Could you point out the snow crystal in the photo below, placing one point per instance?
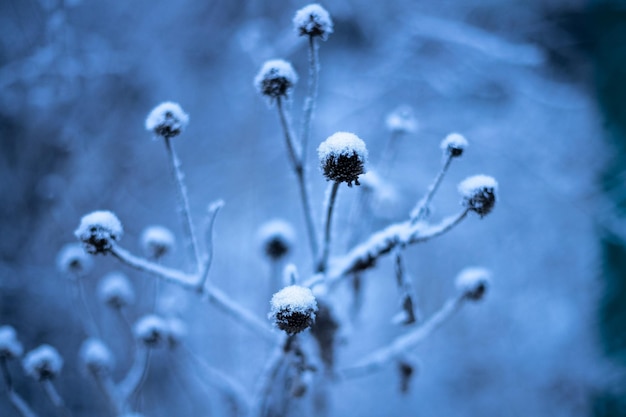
(97, 230)
(43, 362)
(276, 237)
(454, 144)
(293, 309)
(401, 120)
(116, 290)
(10, 347)
(96, 356)
(479, 193)
(313, 20)
(167, 120)
(157, 241)
(276, 78)
(473, 282)
(152, 330)
(73, 260)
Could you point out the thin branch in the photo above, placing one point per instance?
(213, 210)
(136, 375)
(88, 319)
(405, 288)
(110, 391)
(16, 400)
(310, 101)
(330, 205)
(188, 227)
(298, 167)
(420, 211)
(379, 358)
(54, 397)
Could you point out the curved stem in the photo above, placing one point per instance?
(420, 211)
(183, 203)
(309, 102)
(299, 169)
(89, 320)
(213, 210)
(134, 379)
(330, 205)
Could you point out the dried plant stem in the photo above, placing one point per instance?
(183, 204)
(295, 157)
(213, 210)
(134, 379)
(310, 100)
(420, 211)
(405, 288)
(14, 398)
(404, 343)
(110, 391)
(330, 205)
(88, 319)
(54, 397)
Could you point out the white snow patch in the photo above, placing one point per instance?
(470, 278)
(275, 69)
(293, 299)
(116, 290)
(168, 114)
(401, 120)
(313, 20)
(157, 241)
(42, 362)
(96, 356)
(342, 143)
(471, 186)
(10, 347)
(454, 141)
(151, 329)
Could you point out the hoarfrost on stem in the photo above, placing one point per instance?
(313, 20)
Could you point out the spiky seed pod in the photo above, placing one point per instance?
(454, 144)
(98, 231)
(313, 20)
(275, 79)
(42, 363)
(293, 309)
(167, 120)
(151, 330)
(73, 260)
(342, 157)
(277, 239)
(96, 356)
(479, 194)
(10, 347)
(473, 282)
(157, 241)
(116, 291)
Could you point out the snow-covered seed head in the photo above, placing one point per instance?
(176, 331)
(167, 120)
(157, 241)
(473, 282)
(342, 157)
(479, 193)
(313, 20)
(454, 144)
(151, 330)
(275, 79)
(98, 231)
(293, 309)
(96, 356)
(277, 239)
(10, 347)
(115, 290)
(73, 260)
(43, 363)
(401, 120)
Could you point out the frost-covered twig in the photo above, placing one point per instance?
(422, 208)
(407, 295)
(214, 208)
(54, 397)
(14, 398)
(110, 391)
(402, 344)
(309, 101)
(330, 205)
(136, 374)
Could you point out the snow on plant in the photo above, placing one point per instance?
(303, 321)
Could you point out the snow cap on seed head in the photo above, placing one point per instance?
(454, 144)
(473, 282)
(151, 330)
(96, 356)
(277, 239)
(10, 347)
(275, 79)
(115, 290)
(176, 331)
(43, 362)
(313, 20)
(342, 157)
(479, 193)
(73, 260)
(293, 309)
(401, 120)
(98, 231)
(157, 241)
(167, 120)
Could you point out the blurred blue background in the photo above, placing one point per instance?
(536, 87)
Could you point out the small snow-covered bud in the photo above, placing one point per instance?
(275, 79)
(401, 120)
(115, 290)
(293, 309)
(277, 238)
(43, 362)
(167, 120)
(454, 144)
(473, 282)
(157, 241)
(96, 356)
(313, 20)
(151, 330)
(479, 193)
(98, 230)
(176, 331)
(73, 260)
(342, 157)
(10, 347)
